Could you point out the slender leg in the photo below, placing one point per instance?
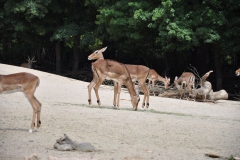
(153, 83)
(149, 83)
(90, 86)
(181, 91)
(35, 110)
(115, 93)
(38, 112)
(146, 93)
(119, 86)
(96, 87)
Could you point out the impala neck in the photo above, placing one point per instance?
(131, 88)
(101, 56)
(159, 78)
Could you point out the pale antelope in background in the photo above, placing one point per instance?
(187, 79)
(26, 83)
(29, 64)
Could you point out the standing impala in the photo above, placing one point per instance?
(154, 76)
(137, 72)
(29, 64)
(187, 79)
(112, 70)
(238, 72)
(26, 83)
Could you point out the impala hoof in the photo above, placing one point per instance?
(113, 107)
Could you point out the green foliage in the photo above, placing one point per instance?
(144, 29)
(65, 32)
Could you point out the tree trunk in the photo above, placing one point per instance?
(76, 53)
(58, 57)
(218, 71)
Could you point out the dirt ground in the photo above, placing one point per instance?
(170, 129)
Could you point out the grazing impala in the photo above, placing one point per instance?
(154, 76)
(29, 64)
(140, 73)
(26, 83)
(238, 72)
(112, 70)
(137, 72)
(187, 79)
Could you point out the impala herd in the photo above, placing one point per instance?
(121, 74)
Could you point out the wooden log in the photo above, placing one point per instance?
(219, 95)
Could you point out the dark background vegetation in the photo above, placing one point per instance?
(166, 35)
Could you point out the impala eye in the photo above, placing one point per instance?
(96, 52)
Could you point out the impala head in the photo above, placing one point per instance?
(29, 64)
(167, 82)
(97, 54)
(238, 72)
(135, 100)
(176, 83)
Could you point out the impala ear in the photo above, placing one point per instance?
(176, 78)
(104, 49)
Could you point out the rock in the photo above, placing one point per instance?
(85, 147)
(65, 147)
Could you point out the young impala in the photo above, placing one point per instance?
(187, 79)
(26, 83)
(154, 76)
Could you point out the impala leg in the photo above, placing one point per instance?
(38, 112)
(90, 86)
(96, 87)
(146, 94)
(153, 82)
(181, 91)
(118, 93)
(35, 110)
(115, 93)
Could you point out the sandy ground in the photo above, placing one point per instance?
(170, 129)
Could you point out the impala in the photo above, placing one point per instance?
(29, 64)
(187, 79)
(26, 83)
(112, 70)
(238, 72)
(154, 76)
(137, 72)
(140, 73)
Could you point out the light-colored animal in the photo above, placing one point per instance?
(187, 79)
(154, 76)
(26, 83)
(29, 64)
(206, 87)
(238, 72)
(202, 93)
(112, 70)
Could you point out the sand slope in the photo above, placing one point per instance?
(170, 129)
